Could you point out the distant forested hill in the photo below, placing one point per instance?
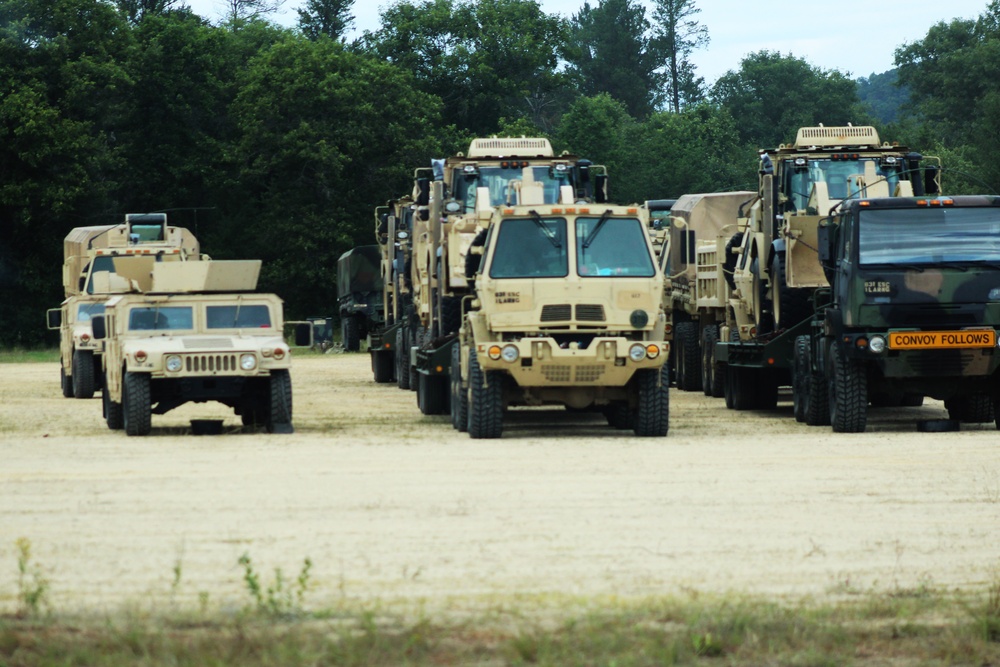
(883, 98)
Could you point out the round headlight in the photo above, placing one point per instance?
(173, 363)
(638, 319)
(509, 353)
(140, 356)
(876, 344)
(279, 353)
(637, 352)
(652, 351)
(453, 206)
(248, 362)
(494, 352)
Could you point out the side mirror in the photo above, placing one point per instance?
(302, 333)
(825, 236)
(423, 192)
(601, 189)
(53, 318)
(97, 323)
(930, 181)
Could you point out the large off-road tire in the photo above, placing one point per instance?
(711, 373)
(485, 401)
(84, 382)
(762, 313)
(451, 315)
(113, 414)
(974, 409)
(279, 418)
(848, 393)
(351, 333)
(432, 394)
(459, 407)
(136, 404)
(65, 382)
(790, 305)
(402, 359)
(740, 388)
(652, 417)
(383, 365)
(688, 359)
(809, 391)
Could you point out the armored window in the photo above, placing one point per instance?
(939, 236)
(241, 316)
(530, 248)
(99, 264)
(612, 247)
(88, 310)
(160, 318)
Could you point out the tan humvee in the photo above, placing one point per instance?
(208, 339)
(89, 276)
(567, 311)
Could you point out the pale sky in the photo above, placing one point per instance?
(856, 38)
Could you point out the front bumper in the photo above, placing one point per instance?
(542, 362)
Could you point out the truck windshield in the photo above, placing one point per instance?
(160, 318)
(614, 247)
(929, 236)
(498, 180)
(834, 173)
(238, 316)
(88, 310)
(530, 248)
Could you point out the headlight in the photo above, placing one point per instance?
(174, 363)
(248, 362)
(637, 352)
(509, 353)
(638, 319)
(652, 351)
(876, 344)
(494, 352)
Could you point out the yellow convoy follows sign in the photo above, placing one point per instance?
(928, 340)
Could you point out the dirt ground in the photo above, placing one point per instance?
(390, 505)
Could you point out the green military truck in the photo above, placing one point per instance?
(913, 310)
(359, 291)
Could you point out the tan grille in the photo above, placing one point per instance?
(589, 373)
(554, 373)
(210, 363)
(586, 312)
(559, 313)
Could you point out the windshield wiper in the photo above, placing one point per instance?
(597, 228)
(537, 219)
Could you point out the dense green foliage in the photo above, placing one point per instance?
(277, 143)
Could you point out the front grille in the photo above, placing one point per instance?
(589, 373)
(558, 313)
(210, 363)
(941, 363)
(555, 373)
(590, 312)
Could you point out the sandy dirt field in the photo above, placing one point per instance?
(390, 505)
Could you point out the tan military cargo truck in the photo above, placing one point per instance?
(566, 311)
(197, 334)
(89, 277)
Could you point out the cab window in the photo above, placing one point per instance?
(240, 316)
(160, 318)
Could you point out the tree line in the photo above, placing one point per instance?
(277, 142)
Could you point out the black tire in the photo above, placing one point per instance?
(740, 388)
(65, 382)
(351, 333)
(848, 393)
(620, 416)
(459, 407)
(764, 386)
(383, 365)
(688, 357)
(762, 312)
(485, 401)
(432, 394)
(113, 415)
(83, 374)
(974, 409)
(402, 360)
(136, 405)
(652, 417)
(801, 373)
(451, 315)
(790, 306)
(711, 379)
(414, 338)
(279, 417)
